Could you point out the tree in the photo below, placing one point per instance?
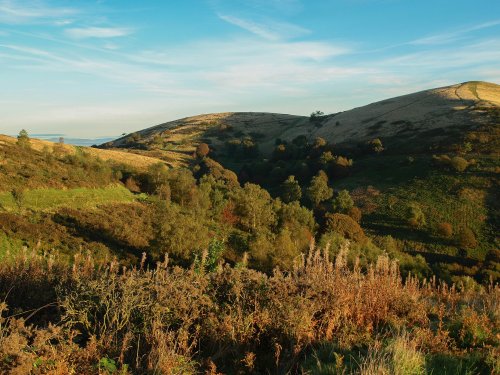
(375, 145)
(326, 158)
(445, 230)
(416, 217)
(23, 139)
(345, 226)
(254, 207)
(319, 191)
(157, 175)
(319, 143)
(467, 239)
(459, 164)
(182, 186)
(290, 190)
(316, 116)
(343, 202)
(202, 150)
(178, 232)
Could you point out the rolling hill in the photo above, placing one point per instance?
(424, 136)
(430, 116)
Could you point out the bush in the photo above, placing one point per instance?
(343, 202)
(172, 320)
(23, 140)
(416, 217)
(467, 239)
(202, 150)
(345, 226)
(445, 230)
(355, 214)
(459, 164)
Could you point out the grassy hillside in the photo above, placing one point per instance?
(46, 147)
(433, 116)
(78, 198)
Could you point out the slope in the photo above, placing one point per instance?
(431, 116)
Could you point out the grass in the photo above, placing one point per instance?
(9, 245)
(48, 199)
(461, 199)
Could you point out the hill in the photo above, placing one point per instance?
(431, 155)
(118, 156)
(432, 116)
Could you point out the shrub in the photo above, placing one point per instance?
(375, 145)
(18, 196)
(355, 214)
(172, 320)
(23, 140)
(416, 217)
(459, 164)
(345, 226)
(343, 202)
(202, 150)
(445, 230)
(467, 239)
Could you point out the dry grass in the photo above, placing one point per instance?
(134, 160)
(107, 319)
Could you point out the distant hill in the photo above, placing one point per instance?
(429, 116)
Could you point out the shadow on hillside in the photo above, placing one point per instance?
(433, 258)
(89, 234)
(383, 225)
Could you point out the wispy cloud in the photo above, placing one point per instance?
(270, 30)
(97, 32)
(15, 12)
(261, 6)
(449, 37)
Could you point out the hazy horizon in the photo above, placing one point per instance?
(94, 68)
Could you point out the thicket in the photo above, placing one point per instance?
(301, 158)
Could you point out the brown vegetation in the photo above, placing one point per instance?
(103, 319)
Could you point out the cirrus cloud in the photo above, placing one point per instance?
(97, 32)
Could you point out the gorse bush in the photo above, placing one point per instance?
(235, 320)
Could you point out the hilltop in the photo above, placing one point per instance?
(432, 116)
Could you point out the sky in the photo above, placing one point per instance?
(102, 68)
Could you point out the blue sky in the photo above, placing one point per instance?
(100, 68)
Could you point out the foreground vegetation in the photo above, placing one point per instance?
(322, 317)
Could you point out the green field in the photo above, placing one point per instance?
(48, 199)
